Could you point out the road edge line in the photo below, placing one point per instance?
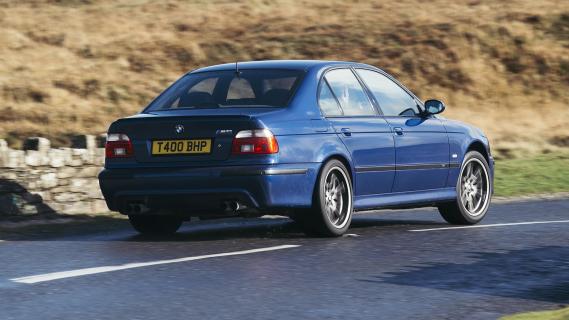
(96, 270)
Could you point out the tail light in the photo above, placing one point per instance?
(118, 146)
(260, 141)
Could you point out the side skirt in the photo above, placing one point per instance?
(413, 199)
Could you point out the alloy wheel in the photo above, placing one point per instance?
(337, 198)
(475, 187)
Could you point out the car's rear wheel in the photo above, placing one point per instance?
(331, 214)
(474, 191)
(155, 224)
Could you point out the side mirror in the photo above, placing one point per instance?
(433, 106)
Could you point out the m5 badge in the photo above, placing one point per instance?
(224, 132)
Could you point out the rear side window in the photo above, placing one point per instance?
(350, 94)
(328, 103)
(207, 85)
(219, 89)
(392, 99)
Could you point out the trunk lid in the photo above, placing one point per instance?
(219, 129)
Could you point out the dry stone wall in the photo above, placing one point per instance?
(44, 180)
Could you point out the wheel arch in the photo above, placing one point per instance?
(343, 160)
(478, 146)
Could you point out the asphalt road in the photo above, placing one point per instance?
(385, 269)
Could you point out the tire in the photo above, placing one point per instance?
(332, 209)
(473, 190)
(155, 224)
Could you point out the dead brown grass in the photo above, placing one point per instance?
(72, 66)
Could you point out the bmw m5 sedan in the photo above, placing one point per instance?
(312, 140)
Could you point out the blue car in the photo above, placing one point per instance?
(312, 140)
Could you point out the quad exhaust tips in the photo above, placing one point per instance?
(228, 207)
(232, 206)
(137, 208)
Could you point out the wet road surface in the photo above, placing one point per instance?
(392, 265)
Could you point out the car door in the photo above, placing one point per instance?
(421, 143)
(365, 134)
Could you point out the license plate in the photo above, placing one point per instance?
(191, 146)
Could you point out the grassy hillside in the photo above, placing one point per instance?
(71, 66)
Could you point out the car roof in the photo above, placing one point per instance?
(276, 64)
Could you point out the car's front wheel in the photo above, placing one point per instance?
(331, 214)
(474, 191)
(155, 224)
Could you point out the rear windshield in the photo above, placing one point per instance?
(219, 89)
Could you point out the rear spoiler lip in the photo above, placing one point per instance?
(152, 117)
(115, 126)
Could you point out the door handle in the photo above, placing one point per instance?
(398, 131)
(346, 132)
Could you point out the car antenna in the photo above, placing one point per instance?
(237, 72)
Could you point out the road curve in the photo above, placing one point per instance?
(392, 265)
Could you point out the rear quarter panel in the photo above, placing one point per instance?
(303, 134)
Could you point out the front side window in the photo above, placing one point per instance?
(219, 89)
(349, 92)
(392, 99)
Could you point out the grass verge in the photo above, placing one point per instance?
(546, 173)
(561, 314)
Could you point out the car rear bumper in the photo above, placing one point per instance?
(197, 191)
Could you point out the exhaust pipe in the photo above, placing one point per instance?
(232, 206)
(136, 208)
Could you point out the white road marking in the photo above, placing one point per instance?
(492, 225)
(88, 271)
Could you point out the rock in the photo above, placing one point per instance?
(8, 175)
(35, 158)
(37, 144)
(88, 142)
(79, 153)
(66, 172)
(88, 172)
(79, 207)
(33, 185)
(3, 152)
(86, 156)
(40, 179)
(83, 185)
(68, 197)
(59, 157)
(48, 180)
(99, 157)
(95, 193)
(76, 163)
(15, 159)
(60, 189)
(99, 206)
